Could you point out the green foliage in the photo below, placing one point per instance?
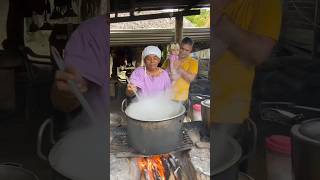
(201, 20)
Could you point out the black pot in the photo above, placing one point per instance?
(16, 172)
(306, 150)
(155, 137)
(225, 157)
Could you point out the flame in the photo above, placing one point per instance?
(152, 167)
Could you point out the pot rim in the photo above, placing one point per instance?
(160, 120)
(245, 175)
(297, 135)
(27, 171)
(233, 162)
(203, 103)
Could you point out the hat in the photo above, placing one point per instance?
(151, 50)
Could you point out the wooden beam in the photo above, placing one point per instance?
(179, 29)
(132, 7)
(154, 16)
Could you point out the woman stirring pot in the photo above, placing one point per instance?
(149, 80)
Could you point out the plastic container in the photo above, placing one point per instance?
(278, 158)
(196, 115)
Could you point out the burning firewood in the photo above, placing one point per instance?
(161, 167)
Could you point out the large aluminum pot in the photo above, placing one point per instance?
(205, 112)
(305, 150)
(155, 137)
(226, 157)
(16, 172)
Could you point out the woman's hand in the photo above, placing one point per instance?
(131, 89)
(61, 95)
(62, 78)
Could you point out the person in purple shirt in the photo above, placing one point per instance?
(82, 153)
(85, 56)
(149, 80)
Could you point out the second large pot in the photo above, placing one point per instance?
(15, 172)
(305, 150)
(205, 112)
(155, 137)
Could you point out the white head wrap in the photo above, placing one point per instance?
(151, 50)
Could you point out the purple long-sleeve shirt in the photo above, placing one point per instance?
(87, 51)
(149, 86)
(83, 152)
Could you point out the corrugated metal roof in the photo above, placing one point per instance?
(155, 36)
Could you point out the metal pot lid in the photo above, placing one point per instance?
(206, 102)
(310, 129)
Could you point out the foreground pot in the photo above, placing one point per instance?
(16, 172)
(226, 155)
(155, 137)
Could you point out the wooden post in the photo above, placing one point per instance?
(179, 28)
(211, 42)
(316, 36)
(90, 9)
(104, 7)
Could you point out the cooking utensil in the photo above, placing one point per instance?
(205, 112)
(73, 86)
(305, 150)
(155, 137)
(135, 92)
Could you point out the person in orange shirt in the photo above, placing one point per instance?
(186, 69)
(245, 32)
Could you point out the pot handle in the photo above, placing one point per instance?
(42, 128)
(124, 101)
(12, 164)
(252, 148)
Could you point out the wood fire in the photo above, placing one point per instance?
(159, 167)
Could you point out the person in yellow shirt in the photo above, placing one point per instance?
(186, 69)
(245, 32)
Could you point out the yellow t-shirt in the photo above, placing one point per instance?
(181, 87)
(231, 79)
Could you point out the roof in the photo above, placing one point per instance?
(162, 23)
(155, 36)
(143, 5)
